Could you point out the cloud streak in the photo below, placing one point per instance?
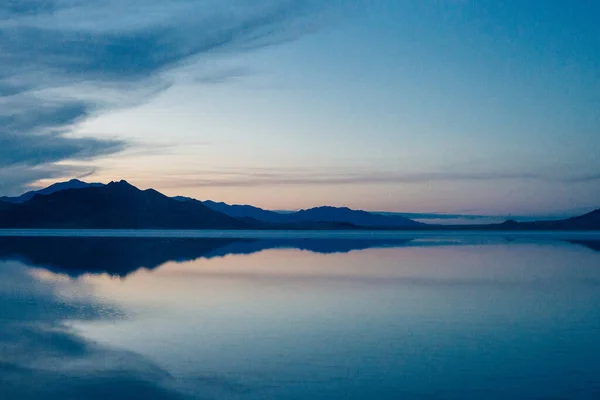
(63, 61)
(14, 178)
(259, 177)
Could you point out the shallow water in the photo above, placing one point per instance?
(446, 316)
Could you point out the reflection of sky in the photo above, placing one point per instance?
(41, 358)
(466, 320)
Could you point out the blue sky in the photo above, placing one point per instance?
(416, 106)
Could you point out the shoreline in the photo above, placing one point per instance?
(299, 234)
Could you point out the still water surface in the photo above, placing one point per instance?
(448, 317)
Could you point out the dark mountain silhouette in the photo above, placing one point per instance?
(121, 256)
(246, 211)
(318, 214)
(4, 205)
(308, 225)
(117, 205)
(183, 198)
(355, 217)
(57, 187)
(322, 215)
(589, 221)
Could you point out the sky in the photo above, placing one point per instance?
(456, 106)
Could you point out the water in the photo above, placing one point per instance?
(433, 316)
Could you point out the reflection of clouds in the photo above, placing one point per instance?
(41, 358)
(62, 365)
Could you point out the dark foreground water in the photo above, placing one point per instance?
(431, 317)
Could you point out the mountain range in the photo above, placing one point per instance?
(57, 187)
(589, 221)
(317, 214)
(117, 205)
(120, 205)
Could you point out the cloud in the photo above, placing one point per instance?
(125, 40)
(14, 179)
(63, 61)
(33, 140)
(33, 150)
(222, 75)
(258, 177)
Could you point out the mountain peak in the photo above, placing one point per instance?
(591, 214)
(117, 205)
(121, 183)
(56, 187)
(333, 208)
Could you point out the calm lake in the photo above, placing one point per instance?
(299, 316)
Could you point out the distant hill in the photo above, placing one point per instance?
(312, 215)
(355, 217)
(117, 205)
(246, 211)
(589, 221)
(57, 187)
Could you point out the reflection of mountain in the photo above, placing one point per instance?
(124, 255)
(41, 358)
(590, 244)
(121, 256)
(323, 246)
(117, 256)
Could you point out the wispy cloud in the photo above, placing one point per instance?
(17, 178)
(62, 61)
(256, 177)
(259, 177)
